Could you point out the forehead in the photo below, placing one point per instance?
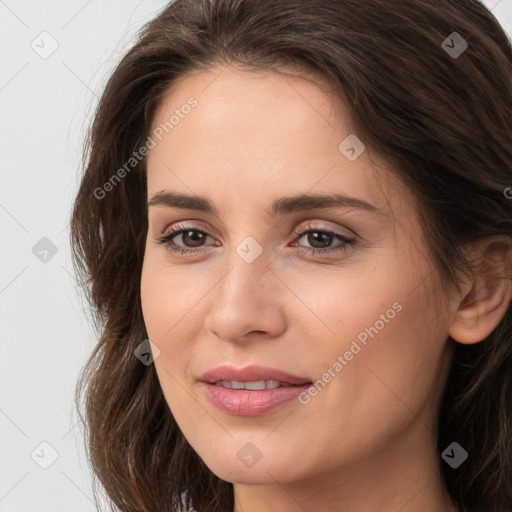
(251, 107)
(260, 131)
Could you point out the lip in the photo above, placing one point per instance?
(252, 373)
(242, 402)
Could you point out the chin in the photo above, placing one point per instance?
(252, 476)
(264, 470)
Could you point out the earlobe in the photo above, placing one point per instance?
(487, 297)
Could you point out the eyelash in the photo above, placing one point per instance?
(166, 238)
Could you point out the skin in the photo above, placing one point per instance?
(367, 441)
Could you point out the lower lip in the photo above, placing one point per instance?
(242, 402)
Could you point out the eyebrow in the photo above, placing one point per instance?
(282, 205)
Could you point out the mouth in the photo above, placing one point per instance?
(251, 376)
(255, 385)
(253, 390)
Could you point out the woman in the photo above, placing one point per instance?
(294, 228)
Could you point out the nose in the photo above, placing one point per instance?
(247, 302)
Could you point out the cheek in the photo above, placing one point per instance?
(168, 295)
(164, 314)
(348, 309)
(397, 370)
(173, 320)
(390, 341)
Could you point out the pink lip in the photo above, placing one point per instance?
(243, 402)
(252, 373)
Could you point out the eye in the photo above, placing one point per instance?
(319, 237)
(195, 238)
(188, 235)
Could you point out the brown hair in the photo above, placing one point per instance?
(444, 121)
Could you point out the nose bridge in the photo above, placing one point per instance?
(247, 271)
(242, 302)
(247, 259)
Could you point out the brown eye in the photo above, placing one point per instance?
(190, 239)
(320, 241)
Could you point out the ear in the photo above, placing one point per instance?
(486, 296)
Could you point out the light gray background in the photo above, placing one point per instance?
(45, 103)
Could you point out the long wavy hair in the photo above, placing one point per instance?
(445, 122)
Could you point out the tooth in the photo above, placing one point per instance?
(258, 385)
(255, 385)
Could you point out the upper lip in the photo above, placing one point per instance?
(252, 373)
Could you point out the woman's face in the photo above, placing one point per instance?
(359, 322)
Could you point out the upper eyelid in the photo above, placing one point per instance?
(299, 231)
(341, 229)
